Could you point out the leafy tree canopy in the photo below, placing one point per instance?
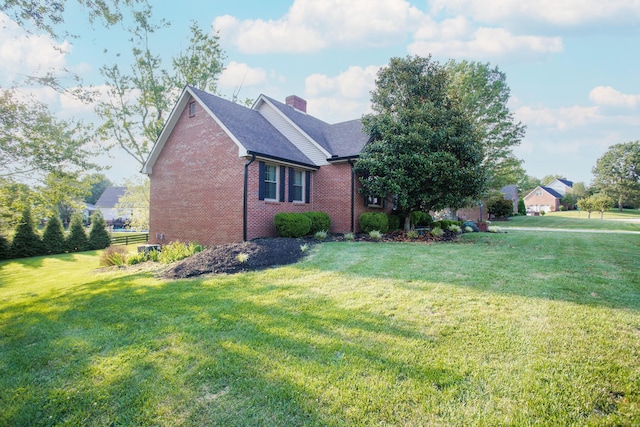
(424, 149)
(617, 173)
(135, 203)
(484, 94)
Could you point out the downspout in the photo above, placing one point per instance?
(245, 197)
(353, 207)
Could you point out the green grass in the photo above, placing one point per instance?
(499, 329)
(628, 220)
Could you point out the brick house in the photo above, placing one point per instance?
(548, 198)
(479, 212)
(219, 171)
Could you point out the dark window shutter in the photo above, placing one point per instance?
(367, 200)
(261, 172)
(307, 187)
(291, 184)
(282, 183)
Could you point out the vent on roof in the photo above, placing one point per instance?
(297, 103)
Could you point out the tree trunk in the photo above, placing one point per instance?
(407, 221)
(620, 204)
(588, 214)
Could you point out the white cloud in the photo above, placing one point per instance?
(312, 25)
(343, 97)
(24, 54)
(458, 39)
(568, 13)
(559, 118)
(608, 96)
(237, 75)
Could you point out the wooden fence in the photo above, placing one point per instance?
(129, 239)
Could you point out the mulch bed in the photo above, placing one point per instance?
(263, 253)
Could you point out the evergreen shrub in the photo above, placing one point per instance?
(77, 238)
(394, 222)
(290, 224)
(26, 241)
(419, 218)
(5, 248)
(320, 221)
(374, 221)
(99, 237)
(53, 237)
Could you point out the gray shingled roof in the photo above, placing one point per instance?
(110, 197)
(511, 191)
(343, 139)
(253, 131)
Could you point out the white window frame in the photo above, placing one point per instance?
(192, 109)
(301, 185)
(267, 166)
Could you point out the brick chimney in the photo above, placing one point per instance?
(297, 103)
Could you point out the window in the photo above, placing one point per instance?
(375, 201)
(539, 193)
(270, 182)
(192, 109)
(298, 186)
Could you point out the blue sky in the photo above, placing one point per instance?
(573, 66)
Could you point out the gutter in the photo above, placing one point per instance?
(245, 197)
(353, 182)
(282, 160)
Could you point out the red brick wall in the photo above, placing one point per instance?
(197, 184)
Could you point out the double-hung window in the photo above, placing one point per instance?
(270, 182)
(298, 186)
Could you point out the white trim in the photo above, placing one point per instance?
(263, 99)
(186, 95)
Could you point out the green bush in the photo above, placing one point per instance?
(98, 235)
(114, 255)
(437, 232)
(289, 224)
(320, 221)
(370, 221)
(53, 237)
(26, 242)
(320, 235)
(444, 224)
(500, 207)
(394, 222)
(522, 208)
(5, 248)
(175, 251)
(419, 218)
(77, 239)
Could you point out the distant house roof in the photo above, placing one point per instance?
(510, 191)
(553, 192)
(110, 197)
(566, 182)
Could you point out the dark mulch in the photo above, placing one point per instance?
(268, 252)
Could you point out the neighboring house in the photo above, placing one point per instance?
(548, 198)
(108, 201)
(219, 172)
(479, 212)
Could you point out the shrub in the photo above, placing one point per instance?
(77, 239)
(53, 237)
(242, 257)
(5, 248)
(304, 248)
(394, 222)
(114, 255)
(522, 208)
(350, 237)
(470, 224)
(138, 258)
(292, 224)
(98, 235)
(320, 235)
(319, 221)
(500, 207)
(437, 232)
(494, 229)
(26, 242)
(454, 228)
(468, 229)
(175, 251)
(412, 234)
(375, 235)
(446, 224)
(542, 213)
(370, 221)
(419, 218)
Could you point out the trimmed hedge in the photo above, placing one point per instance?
(394, 222)
(320, 221)
(421, 218)
(374, 221)
(445, 223)
(290, 224)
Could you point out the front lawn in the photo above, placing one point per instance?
(521, 328)
(627, 221)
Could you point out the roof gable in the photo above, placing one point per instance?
(110, 197)
(548, 190)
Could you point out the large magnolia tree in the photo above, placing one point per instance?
(424, 149)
